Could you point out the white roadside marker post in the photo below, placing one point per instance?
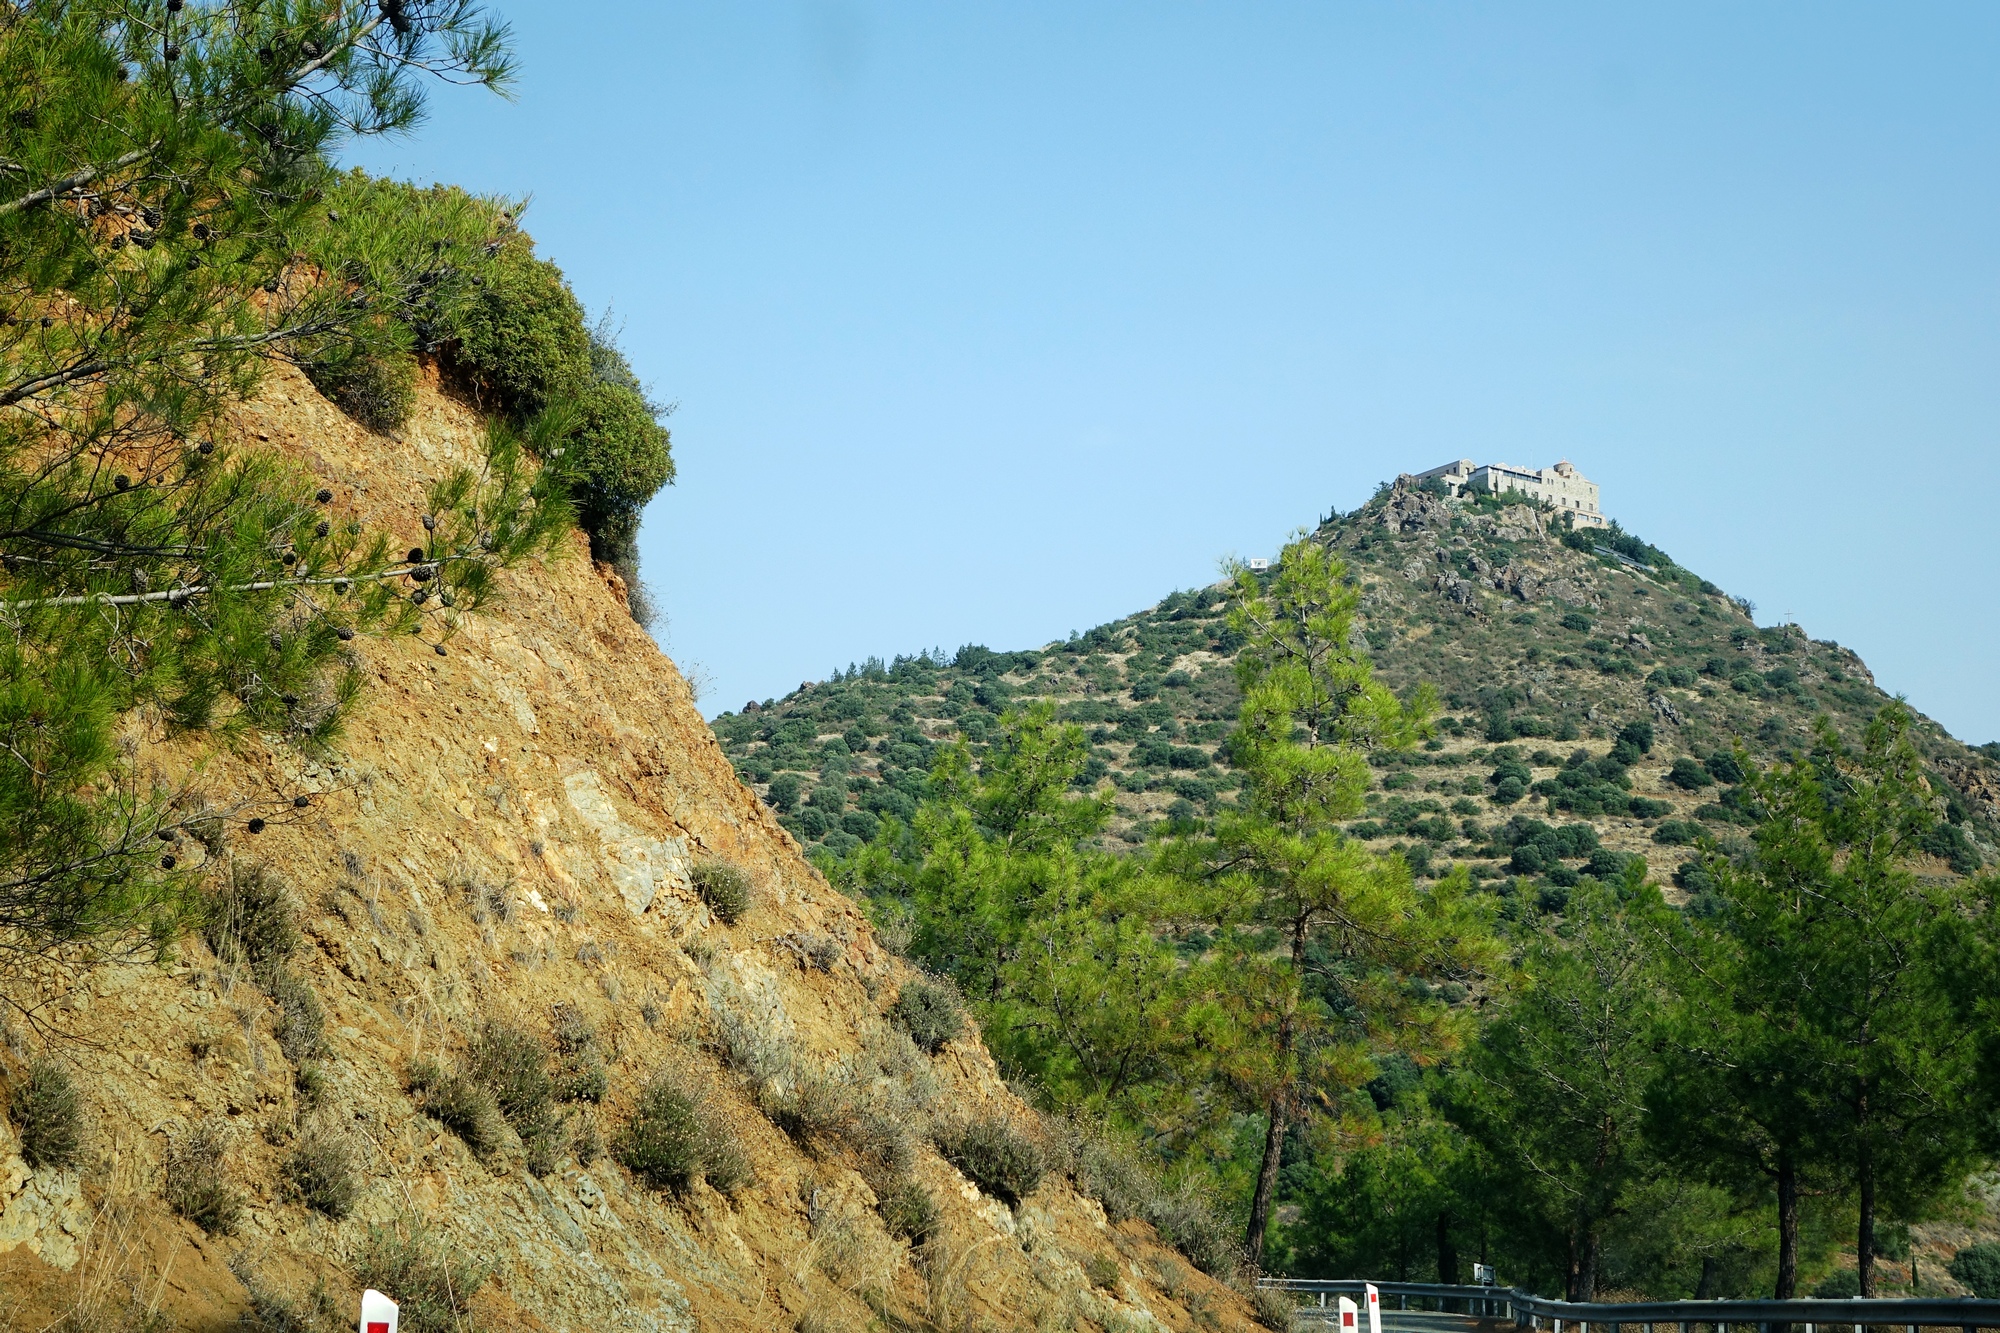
(1348, 1311)
(378, 1313)
(1374, 1308)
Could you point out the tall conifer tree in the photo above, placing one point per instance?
(1312, 711)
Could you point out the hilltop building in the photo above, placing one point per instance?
(1561, 487)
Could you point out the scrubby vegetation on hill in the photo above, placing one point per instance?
(1543, 656)
(1087, 838)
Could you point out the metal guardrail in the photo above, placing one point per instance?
(1529, 1311)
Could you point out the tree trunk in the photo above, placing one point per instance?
(1864, 1182)
(1274, 1134)
(1788, 1227)
(1865, 1241)
(1582, 1282)
(1704, 1290)
(1267, 1180)
(1447, 1252)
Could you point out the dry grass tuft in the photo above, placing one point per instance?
(48, 1115)
(195, 1183)
(320, 1171)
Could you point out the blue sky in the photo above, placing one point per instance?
(990, 322)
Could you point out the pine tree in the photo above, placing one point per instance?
(162, 241)
(1841, 969)
(1311, 713)
(1555, 1087)
(1055, 943)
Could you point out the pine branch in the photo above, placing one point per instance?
(182, 594)
(75, 180)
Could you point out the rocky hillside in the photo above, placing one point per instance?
(1543, 651)
(519, 1001)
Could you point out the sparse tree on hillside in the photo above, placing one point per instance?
(1840, 967)
(1311, 712)
(1556, 1085)
(1055, 945)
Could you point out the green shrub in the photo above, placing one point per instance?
(619, 455)
(518, 338)
(301, 1025)
(1978, 1267)
(319, 1171)
(996, 1156)
(1102, 1271)
(580, 1077)
(724, 887)
(376, 386)
(510, 331)
(196, 1186)
(311, 1084)
(1645, 807)
(48, 1115)
(1188, 1220)
(460, 1105)
(1677, 832)
(815, 1111)
(1689, 775)
(1842, 1284)
(909, 1211)
(1949, 844)
(510, 1064)
(784, 793)
(250, 918)
(430, 1278)
(1274, 1308)
(674, 1139)
(1722, 766)
(930, 1011)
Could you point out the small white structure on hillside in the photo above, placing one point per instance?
(1560, 487)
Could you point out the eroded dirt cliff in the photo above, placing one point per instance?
(506, 831)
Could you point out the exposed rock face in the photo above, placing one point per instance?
(500, 831)
(1457, 591)
(1979, 783)
(1410, 510)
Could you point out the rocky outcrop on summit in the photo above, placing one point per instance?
(1408, 509)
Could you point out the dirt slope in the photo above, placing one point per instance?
(504, 828)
